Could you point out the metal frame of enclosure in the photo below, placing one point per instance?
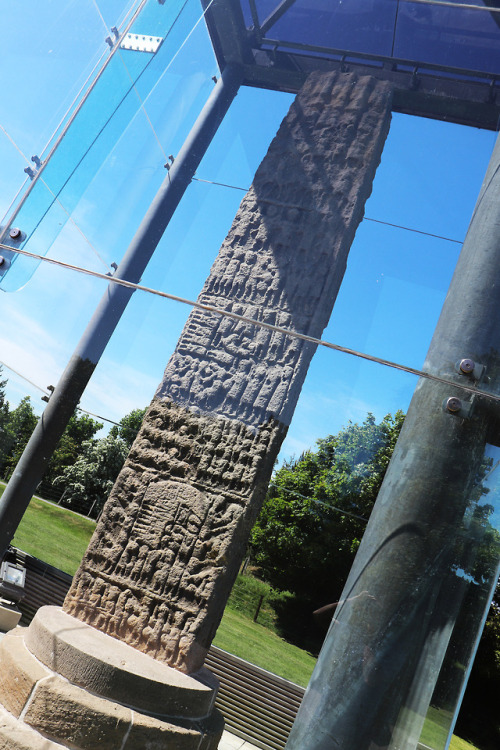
(442, 59)
(269, 46)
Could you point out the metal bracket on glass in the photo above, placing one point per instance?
(109, 40)
(141, 42)
(14, 237)
(114, 266)
(458, 408)
(33, 172)
(470, 369)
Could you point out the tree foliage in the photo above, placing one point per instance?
(79, 430)
(5, 436)
(19, 424)
(128, 427)
(316, 510)
(88, 482)
(84, 468)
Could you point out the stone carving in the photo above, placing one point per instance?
(166, 551)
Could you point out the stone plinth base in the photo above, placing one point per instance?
(9, 616)
(65, 684)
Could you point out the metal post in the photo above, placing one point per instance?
(379, 665)
(66, 395)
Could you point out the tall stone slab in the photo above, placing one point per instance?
(165, 553)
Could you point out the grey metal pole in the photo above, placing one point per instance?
(66, 395)
(376, 673)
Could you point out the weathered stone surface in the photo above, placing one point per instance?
(9, 616)
(112, 669)
(19, 673)
(166, 551)
(15, 735)
(47, 704)
(284, 258)
(147, 732)
(175, 538)
(74, 716)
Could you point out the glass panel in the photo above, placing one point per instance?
(135, 167)
(116, 12)
(393, 267)
(448, 36)
(109, 106)
(356, 26)
(472, 579)
(421, 31)
(48, 53)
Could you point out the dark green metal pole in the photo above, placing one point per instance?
(379, 665)
(63, 401)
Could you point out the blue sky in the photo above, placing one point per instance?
(396, 280)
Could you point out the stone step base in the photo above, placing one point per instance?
(9, 615)
(44, 710)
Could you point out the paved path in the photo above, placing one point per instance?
(231, 742)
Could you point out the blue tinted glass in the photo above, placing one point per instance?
(418, 31)
(356, 26)
(265, 8)
(128, 78)
(455, 37)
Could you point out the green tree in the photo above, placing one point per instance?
(79, 429)
(316, 510)
(88, 482)
(20, 424)
(5, 434)
(128, 427)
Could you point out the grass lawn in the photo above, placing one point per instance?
(255, 643)
(459, 744)
(53, 534)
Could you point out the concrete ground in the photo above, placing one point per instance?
(231, 742)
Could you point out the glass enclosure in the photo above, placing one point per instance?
(96, 127)
(454, 34)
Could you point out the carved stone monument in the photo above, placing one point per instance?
(160, 566)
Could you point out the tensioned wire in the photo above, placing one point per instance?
(456, 5)
(288, 491)
(365, 218)
(47, 393)
(258, 323)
